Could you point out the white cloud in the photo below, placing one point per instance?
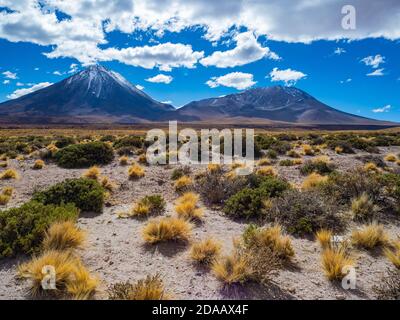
(57, 73)
(6, 81)
(20, 84)
(21, 92)
(346, 81)
(139, 87)
(237, 80)
(36, 69)
(91, 20)
(374, 61)
(73, 68)
(288, 76)
(247, 50)
(376, 73)
(339, 51)
(383, 109)
(160, 78)
(10, 75)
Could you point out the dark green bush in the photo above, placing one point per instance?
(22, 229)
(85, 194)
(345, 145)
(321, 167)
(84, 155)
(272, 154)
(129, 141)
(304, 213)
(63, 142)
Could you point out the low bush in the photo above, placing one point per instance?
(64, 142)
(84, 155)
(150, 288)
(166, 229)
(318, 166)
(22, 229)
(206, 251)
(85, 194)
(129, 142)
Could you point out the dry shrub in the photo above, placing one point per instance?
(271, 237)
(264, 162)
(363, 208)
(313, 180)
(39, 164)
(183, 184)
(186, 206)
(151, 288)
(205, 251)
(334, 261)
(123, 161)
(72, 278)
(166, 229)
(393, 253)
(9, 174)
(135, 172)
(62, 236)
(390, 157)
(267, 171)
(324, 237)
(92, 173)
(370, 236)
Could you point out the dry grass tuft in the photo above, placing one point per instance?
(183, 184)
(205, 251)
(107, 183)
(39, 164)
(143, 159)
(390, 157)
(232, 269)
(4, 199)
(393, 253)
(92, 173)
(166, 229)
(371, 167)
(307, 150)
(324, 237)
(3, 164)
(370, 236)
(362, 207)
(72, 278)
(135, 172)
(338, 150)
(335, 261)
(214, 168)
(9, 174)
(151, 288)
(186, 206)
(267, 171)
(123, 161)
(62, 236)
(313, 181)
(264, 162)
(8, 191)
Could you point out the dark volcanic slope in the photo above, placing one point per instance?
(95, 93)
(278, 103)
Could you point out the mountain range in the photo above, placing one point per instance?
(99, 95)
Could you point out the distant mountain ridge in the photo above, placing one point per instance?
(98, 95)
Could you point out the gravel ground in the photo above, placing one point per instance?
(116, 252)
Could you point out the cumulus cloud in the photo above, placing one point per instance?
(21, 92)
(237, 80)
(374, 61)
(10, 75)
(376, 73)
(288, 76)
(383, 109)
(160, 78)
(247, 50)
(88, 22)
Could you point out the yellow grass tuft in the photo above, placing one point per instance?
(39, 164)
(8, 191)
(140, 209)
(142, 159)
(237, 165)
(362, 207)
(393, 253)
(307, 150)
(62, 236)
(266, 171)
(9, 174)
(123, 161)
(135, 172)
(205, 251)
(313, 180)
(186, 206)
(371, 167)
(334, 262)
(4, 199)
(370, 236)
(92, 173)
(214, 168)
(71, 277)
(390, 157)
(107, 183)
(183, 184)
(263, 162)
(166, 229)
(231, 269)
(338, 150)
(297, 162)
(398, 162)
(324, 237)
(3, 164)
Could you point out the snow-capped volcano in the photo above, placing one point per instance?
(90, 95)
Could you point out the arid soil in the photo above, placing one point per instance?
(115, 250)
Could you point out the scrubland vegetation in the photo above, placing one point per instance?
(315, 205)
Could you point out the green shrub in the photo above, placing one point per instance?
(272, 154)
(86, 194)
(304, 213)
(156, 203)
(84, 155)
(344, 145)
(321, 167)
(180, 172)
(129, 141)
(22, 229)
(286, 163)
(63, 142)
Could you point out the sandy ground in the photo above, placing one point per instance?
(116, 252)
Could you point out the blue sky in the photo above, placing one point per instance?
(203, 59)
